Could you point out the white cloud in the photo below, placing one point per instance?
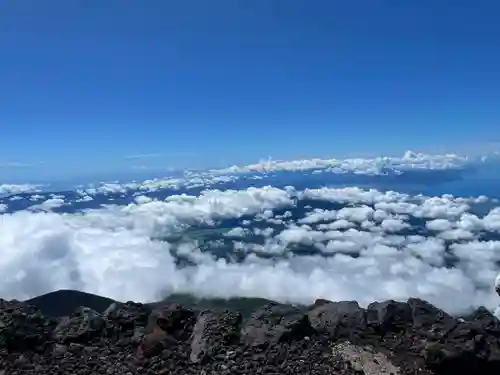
(111, 251)
(393, 225)
(374, 166)
(48, 204)
(337, 224)
(456, 234)
(356, 214)
(8, 189)
(318, 215)
(439, 225)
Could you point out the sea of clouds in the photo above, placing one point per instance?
(369, 243)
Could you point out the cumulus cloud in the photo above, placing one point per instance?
(8, 189)
(48, 204)
(360, 251)
(373, 166)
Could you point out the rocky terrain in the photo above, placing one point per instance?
(412, 337)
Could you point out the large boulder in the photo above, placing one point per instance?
(213, 334)
(471, 346)
(275, 323)
(166, 325)
(344, 319)
(127, 316)
(126, 322)
(174, 319)
(486, 320)
(84, 326)
(389, 316)
(429, 320)
(23, 327)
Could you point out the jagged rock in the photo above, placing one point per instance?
(486, 320)
(402, 338)
(389, 316)
(127, 316)
(174, 319)
(444, 358)
(166, 324)
(471, 345)
(428, 317)
(23, 327)
(84, 325)
(338, 319)
(214, 332)
(275, 323)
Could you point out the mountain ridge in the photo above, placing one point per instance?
(389, 337)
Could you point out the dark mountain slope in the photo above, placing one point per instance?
(64, 302)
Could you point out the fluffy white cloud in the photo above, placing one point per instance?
(393, 225)
(48, 204)
(439, 225)
(357, 251)
(318, 215)
(8, 189)
(374, 166)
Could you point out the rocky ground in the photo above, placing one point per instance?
(326, 338)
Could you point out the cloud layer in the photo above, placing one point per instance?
(285, 243)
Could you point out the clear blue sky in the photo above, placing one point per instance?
(84, 85)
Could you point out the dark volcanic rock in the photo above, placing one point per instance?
(275, 323)
(214, 333)
(173, 319)
(470, 346)
(338, 319)
(23, 327)
(127, 316)
(166, 325)
(398, 338)
(389, 316)
(428, 316)
(83, 326)
(485, 319)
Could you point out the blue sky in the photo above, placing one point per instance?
(90, 86)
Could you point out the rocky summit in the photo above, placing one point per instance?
(389, 337)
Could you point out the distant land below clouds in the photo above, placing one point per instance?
(481, 165)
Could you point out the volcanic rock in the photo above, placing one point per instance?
(389, 337)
